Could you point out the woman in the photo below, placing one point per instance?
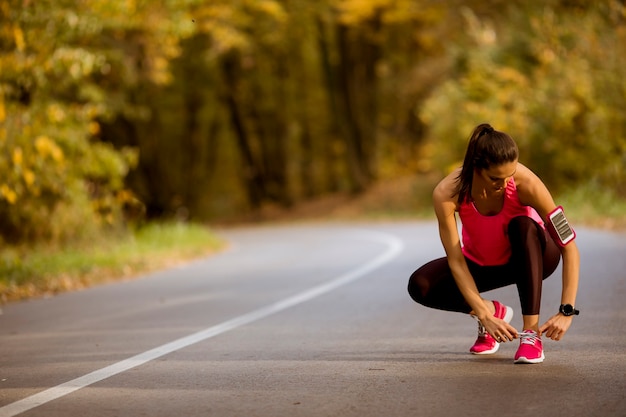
(504, 210)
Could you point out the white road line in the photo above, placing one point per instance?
(394, 247)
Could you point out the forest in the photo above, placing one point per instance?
(114, 113)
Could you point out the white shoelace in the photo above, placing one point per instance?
(481, 329)
(528, 338)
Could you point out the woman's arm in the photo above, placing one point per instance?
(445, 207)
(533, 192)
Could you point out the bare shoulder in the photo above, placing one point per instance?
(444, 194)
(523, 174)
(526, 180)
(532, 191)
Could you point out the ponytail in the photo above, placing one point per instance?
(486, 147)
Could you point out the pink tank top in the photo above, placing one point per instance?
(485, 238)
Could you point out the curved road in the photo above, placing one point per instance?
(308, 320)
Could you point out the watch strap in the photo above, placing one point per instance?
(568, 310)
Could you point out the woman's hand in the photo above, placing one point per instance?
(499, 329)
(556, 327)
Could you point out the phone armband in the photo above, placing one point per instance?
(559, 227)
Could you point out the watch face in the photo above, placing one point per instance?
(567, 309)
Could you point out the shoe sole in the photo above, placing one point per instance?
(523, 359)
(508, 316)
(488, 352)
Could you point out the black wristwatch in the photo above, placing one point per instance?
(568, 310)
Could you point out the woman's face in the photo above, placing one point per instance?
(497, 177)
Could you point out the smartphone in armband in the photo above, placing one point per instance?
(559, 227)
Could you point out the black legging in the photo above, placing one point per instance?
(534, 257)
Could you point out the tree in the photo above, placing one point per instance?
(550, 78)
(64, 69)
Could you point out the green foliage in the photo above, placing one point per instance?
(554, 81)
(63, 68)
(267, 104)
(207, 109)
(56, 183)
(591, 204)
(44, 270)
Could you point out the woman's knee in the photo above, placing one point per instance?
(522, 224)
(432, 284)
(524, 229)
(527, 236)
(418, 287)
(425, 279)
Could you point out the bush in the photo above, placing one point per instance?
(556, 87)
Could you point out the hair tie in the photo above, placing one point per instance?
(486, 129)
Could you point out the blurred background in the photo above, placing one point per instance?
(118, 113)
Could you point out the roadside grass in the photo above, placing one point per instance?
(591, 206)
(42, 271)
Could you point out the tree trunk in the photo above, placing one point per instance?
(251, 170)
(359, 53)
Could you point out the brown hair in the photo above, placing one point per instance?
(487, 147)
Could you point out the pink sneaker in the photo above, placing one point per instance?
(530, 348)
(485, 344)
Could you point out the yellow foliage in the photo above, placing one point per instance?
(94, 128)
(453, 166)
(18, 36)
(160, 74)
(29, 177)
(131, 6)
(46, 147)
(18, 156)
(8, 194)
(227, 38)
(56, 113)
(218, 12)
(353, 12)
(3, 113)
(125, 196)
(273, 9)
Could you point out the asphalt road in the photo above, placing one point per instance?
(308, 320)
